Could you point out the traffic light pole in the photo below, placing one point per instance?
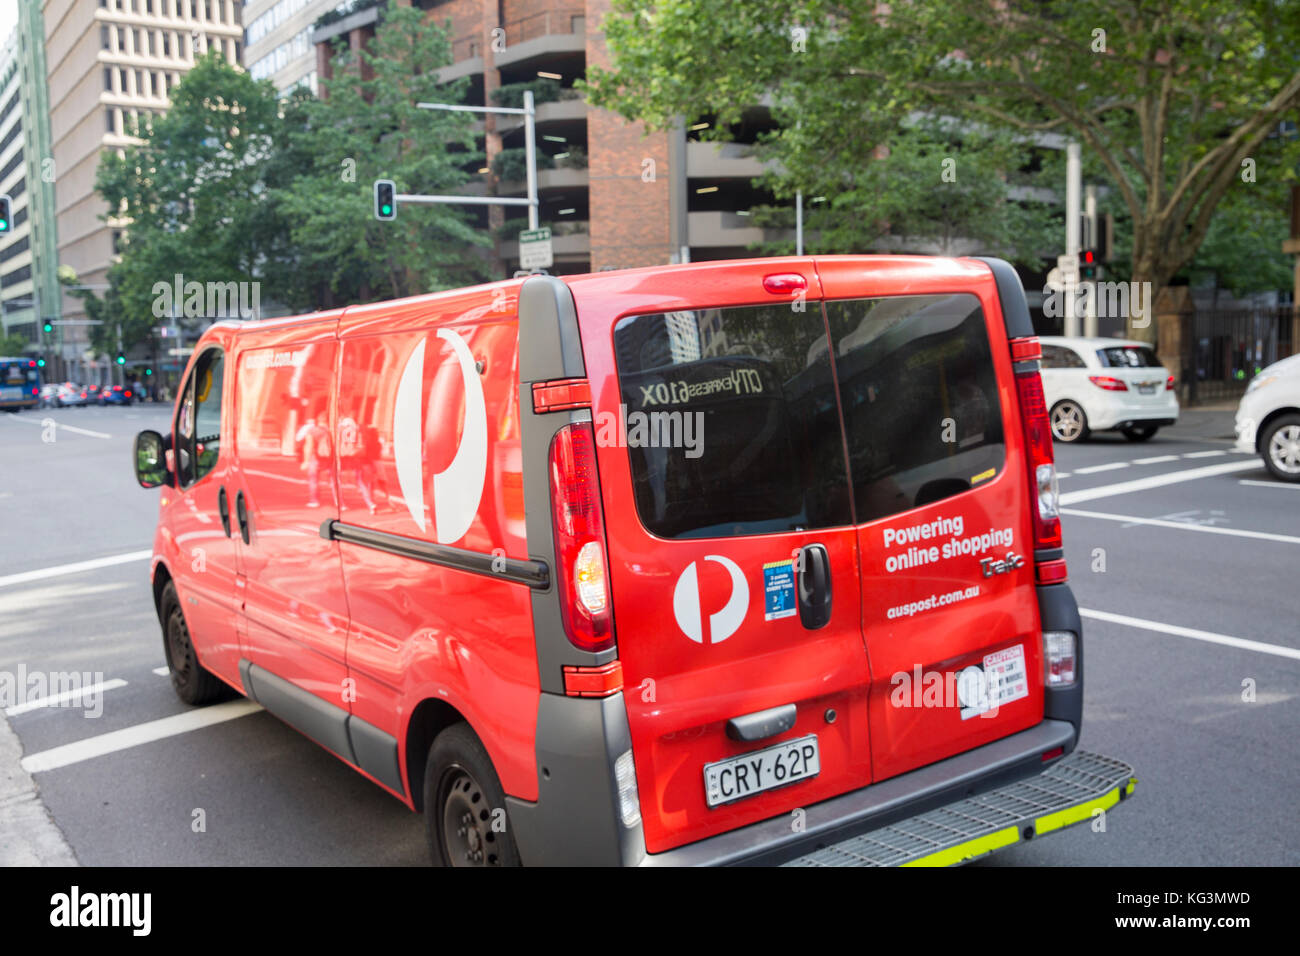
(529, 114)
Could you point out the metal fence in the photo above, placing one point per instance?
(1229, 348)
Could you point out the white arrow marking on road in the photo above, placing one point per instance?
(1183, 526)
(135, 736)
(1155, 481)
(67, 428)
(42, 573)
(68, 695)
(1225, 639)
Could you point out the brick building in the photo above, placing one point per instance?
(617, 197)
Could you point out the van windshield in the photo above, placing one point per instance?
(731, 421)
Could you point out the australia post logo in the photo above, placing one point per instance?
(686, 603)
(458, 488)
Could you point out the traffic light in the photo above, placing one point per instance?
(385, 200)
(40, 362)
(6, 221)
(49, 326)
(1088, 264)
(121, 359)
(148, 371)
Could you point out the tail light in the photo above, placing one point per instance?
(128, 393)
(1058, 658)
(1169, 384)
(1038, 451)
(1108, 383)
(580, 548)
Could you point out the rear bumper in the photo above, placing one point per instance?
(851, 815)
(1118, 413)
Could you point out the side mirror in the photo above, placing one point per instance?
(150, 465)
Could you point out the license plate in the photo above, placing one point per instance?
(1147, 389)
(738, 777)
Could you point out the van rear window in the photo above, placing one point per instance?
(731, 421)
(919, 391)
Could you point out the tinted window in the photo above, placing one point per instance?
(198, 424)
(752, 388)
(1056, 356)
(920, 399)
(1128, 356)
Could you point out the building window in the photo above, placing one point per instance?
(110, 126)
(103, 37)
(167, 43)
(108, 79)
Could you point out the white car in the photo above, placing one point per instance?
(1095, 384)
(1268, 418)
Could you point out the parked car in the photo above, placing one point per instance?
(116, 395)
(1268, 418)
(61, 394)
(1098, 384)
(628, 568)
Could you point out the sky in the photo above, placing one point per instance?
(8, 17)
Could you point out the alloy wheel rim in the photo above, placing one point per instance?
(1065, 422)
(1284, 449)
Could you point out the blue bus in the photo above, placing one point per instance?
(20, 383)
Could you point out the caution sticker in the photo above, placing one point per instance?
(1002, 679)
(778, 590)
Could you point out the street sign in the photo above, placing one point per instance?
(535, 251)
(1069, 268)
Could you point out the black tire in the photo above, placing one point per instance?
(1280, 448)
(192, 683)
(1069, 422)
(1140, 432)
(462, 795)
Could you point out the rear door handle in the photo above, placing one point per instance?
(814, 586)
(762, 724)
(223, 508)
(241, 514)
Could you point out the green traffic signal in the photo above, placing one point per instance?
(385, 200)
(40, 363)
(49, 327)
(148, 371)
(6, 205)
(121, 359)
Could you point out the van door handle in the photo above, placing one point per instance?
(241, 514)
(814, 586)
(223, 508)
(762, 724)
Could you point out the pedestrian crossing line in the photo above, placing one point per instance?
(1270, 484)
(67, 696)
(1155, 481)
(41, 574)
(1183, 526)
(1204, 454)
(119, 740)
(1155, 461)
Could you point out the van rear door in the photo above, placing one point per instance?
(733, 557)
(941, 494)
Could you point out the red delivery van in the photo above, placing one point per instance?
(735, 562)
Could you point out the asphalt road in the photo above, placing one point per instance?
(1217, 774)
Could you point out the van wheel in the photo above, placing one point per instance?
(464, 806)
(1069, 423)
(1139, 432)
(192, 683)
(1281, 448)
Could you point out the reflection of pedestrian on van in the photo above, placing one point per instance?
(355, 449)
(314, 453)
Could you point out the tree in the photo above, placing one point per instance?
(369, 127)
(1174, 98)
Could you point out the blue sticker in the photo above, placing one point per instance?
(778, 590)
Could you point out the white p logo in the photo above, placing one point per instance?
(686, 603)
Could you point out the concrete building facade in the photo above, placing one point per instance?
(277, 40)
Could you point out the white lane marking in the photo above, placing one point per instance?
(71, 428)
(1244, 481)
(161, 671)
(117, 740)
(1059, 475)
(1213, 638)
(1155, 460)
(1155, 481)
(41, 574)
(68, 695)
(1092, 469)
(1204, 454)
(1183, 526)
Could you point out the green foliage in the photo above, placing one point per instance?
(235, 185)
(356, 6)
(13, 344)
(1168, 96)
(511, 165)
(511, 95)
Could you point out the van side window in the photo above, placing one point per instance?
(1056, 356)
(920, 399)
(731, 423)
(198, 424)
